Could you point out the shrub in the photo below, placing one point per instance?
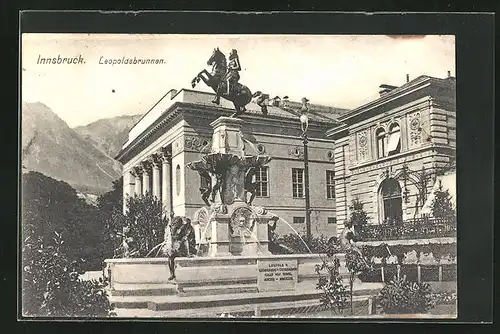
(373, 275)
(51, 284)
(335, 293)
(293, 243)
(54, 206)
(447, 297)
(442, 205)
(401, 296)
(359, 217)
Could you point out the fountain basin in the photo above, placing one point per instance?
(222, 275)
(206, 274)
(137, 271)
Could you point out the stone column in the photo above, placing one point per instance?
(156, 162)
(146, 169)
(128, 188)
(166, 173)
(137, 172)
(125, 192)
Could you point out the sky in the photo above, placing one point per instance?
(336, 70)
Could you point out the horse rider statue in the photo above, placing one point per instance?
(224, 80)
(231, 78)
(233, 73)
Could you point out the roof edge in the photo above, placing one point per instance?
(387, 97)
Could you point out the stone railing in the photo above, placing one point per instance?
(418, 228)
(438, 272)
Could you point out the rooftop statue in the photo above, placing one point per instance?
(224, 80)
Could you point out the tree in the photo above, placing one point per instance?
(51, 284)
(143, 218)
(359, 217)
(112, 200)
(145, 223)
(50, 206)
(110, 207)
(442, 205)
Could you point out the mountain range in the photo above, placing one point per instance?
(82, 156)
(108, 134)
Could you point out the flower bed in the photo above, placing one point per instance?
(445, 297)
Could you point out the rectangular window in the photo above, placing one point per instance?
(262, 180)
(330, 184)
(299, 220)
(332, 220)
(298, 182)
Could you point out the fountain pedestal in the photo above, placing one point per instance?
(228, 156)
(235, 227)
(227, 136)
(241, 231)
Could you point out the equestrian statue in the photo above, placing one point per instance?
(224, 80)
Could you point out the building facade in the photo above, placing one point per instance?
(177, 131)
(373, 153)
(389, 152)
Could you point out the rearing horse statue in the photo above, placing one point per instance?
(240, 95)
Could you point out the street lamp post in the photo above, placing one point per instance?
(305, 122)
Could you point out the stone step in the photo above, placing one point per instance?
(131, 302)
(299, 309)
(217, 290)
(304, 291)
(143, 289)
(191, 302)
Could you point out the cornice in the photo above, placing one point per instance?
(336, 130)
(162, 123)
(208, 113)
(396, 157)
(391, 96)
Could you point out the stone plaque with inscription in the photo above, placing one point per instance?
(277, 274)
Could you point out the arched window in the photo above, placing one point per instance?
(394, 144)
(390, 201)
(380, 134)
(178, 180)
